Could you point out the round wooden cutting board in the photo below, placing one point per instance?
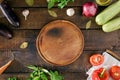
(60, 42)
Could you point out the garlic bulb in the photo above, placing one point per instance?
(25, 13)
(70, 12)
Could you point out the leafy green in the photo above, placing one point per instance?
(29, 2)
(40, 73)
(60, 3)
(52, 13)
(55, 76)
(14, 78)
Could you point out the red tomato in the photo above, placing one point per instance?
(96, 59)
(96, 75)
(115, 72)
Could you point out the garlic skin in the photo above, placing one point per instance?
(70, 11)
(48, 0)
(25, 13)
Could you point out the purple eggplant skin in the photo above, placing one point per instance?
(9, 14)
(5, 31)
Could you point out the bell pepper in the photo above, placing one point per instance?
(100, 74)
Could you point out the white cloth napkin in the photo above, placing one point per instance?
(108, 62)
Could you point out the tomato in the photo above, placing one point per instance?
(96, 59)
(115, 72)
(100, 74)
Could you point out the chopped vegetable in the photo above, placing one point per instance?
(52, 13)
(29, 2)
(100, 74)
(61, 3)
(70, 11)
(89, 9)
(115, 72)
(25, 13)
(88, 24)
(96, 59)
(4, 67)
(103, 2)
(24, 45)
(107, 14)
(112, 25)
(39, 73)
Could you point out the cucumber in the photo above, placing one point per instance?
(112, 25)
(108, 13)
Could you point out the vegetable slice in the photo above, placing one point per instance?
(96, 59)
(103, 2)
(3, 68)
(115, 72)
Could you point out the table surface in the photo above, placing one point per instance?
(96, 41)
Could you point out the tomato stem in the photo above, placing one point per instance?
(102, 73)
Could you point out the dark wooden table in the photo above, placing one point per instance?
(96, 41)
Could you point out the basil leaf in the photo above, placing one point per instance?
(50, 4)
(88, 24)
(33, 67)
(29, 2)
(43, 76)
(55, 76)
(52, 13)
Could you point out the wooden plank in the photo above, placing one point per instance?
(24, 58)
(94, 40)
(39, 17)
(67, 76)
(43, 3)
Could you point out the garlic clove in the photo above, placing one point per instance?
(25, 13)
(70, 11)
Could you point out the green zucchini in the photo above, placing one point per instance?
(108, 13)
(112, 25)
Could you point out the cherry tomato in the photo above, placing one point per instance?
(100, 74)
(96, 59)
(115, 72)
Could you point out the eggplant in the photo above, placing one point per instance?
(5, 31)
(9, 13)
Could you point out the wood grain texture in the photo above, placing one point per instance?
(24, 58)
(100, 41)
(38, 17)
(96, 41)
(43, 3)
(67, 76)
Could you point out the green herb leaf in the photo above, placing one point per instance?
(43, 76)
(88, 24)
(14, 78)
(55, 76)
(39, 73)
(52, 13)
(29, 2)
(36, 78)
(33, 67)
(61, 3)
(50, 4)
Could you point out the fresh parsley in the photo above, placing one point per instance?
(60, 3)
(13, 78)
(40, 73)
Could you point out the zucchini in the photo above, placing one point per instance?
(112, 25)
(108, 13)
